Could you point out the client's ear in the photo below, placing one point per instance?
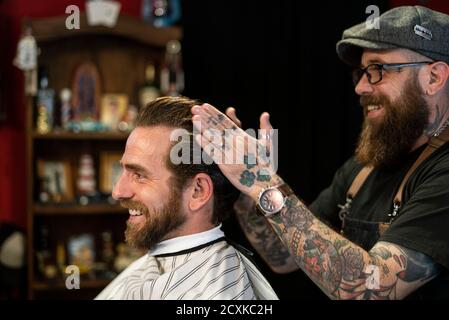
(201, 191)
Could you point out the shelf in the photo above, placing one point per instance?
(63, 135)
(60, 284)
(61, 210)
(53, 28)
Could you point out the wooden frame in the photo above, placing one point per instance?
(57, 176)
(110, 170)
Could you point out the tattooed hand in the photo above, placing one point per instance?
(247, 162)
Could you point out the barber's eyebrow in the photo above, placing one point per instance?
(371, 61)
(134, 167)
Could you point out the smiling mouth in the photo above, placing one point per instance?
(373, 108)
(135, 213)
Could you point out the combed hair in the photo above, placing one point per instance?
(174, 112)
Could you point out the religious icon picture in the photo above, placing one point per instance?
(86, 92)
(110, 170)
(56, 178)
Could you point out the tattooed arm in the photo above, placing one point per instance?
(342, 269)
(262, 237)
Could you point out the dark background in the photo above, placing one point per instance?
(280, 58)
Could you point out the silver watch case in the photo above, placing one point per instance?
(271, 201)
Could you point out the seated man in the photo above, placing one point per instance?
(175, 213)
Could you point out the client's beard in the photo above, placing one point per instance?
(158, 223)
(385, 141)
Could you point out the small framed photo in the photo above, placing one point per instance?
(110, 170)
(56, 177)
(113, 109)
(81, 252)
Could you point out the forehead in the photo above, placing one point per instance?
(147, 145)
(385, 56)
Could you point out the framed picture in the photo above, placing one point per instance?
(86, 92)
(81, 252)
(113, 109)
(110, 170)
(56, 177)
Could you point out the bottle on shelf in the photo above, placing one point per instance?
(45, 104)
(161, 13)
(45, 263)
(148, 91)
(66, 108)
(172, 73)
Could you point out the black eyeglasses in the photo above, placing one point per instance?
(374, 71)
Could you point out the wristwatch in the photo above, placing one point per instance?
(272, 200)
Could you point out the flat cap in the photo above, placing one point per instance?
(411, 27)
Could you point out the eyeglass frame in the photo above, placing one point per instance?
(384, 66)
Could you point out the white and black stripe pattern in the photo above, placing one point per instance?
(214, 272)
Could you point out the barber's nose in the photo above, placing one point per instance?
(363, 87)
(122, 189)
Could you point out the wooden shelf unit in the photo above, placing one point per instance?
(120, 54)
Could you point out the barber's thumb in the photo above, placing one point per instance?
(265, 121)
(230, 112)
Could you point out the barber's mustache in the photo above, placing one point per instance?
(134, 205)
(373, 100)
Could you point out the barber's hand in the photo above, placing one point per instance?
(244, 203)
(243, 159)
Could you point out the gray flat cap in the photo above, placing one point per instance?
(411, 27)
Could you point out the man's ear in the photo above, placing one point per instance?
(201, 191)
(439, 72)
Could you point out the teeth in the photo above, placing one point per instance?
(135, 212)
(372, 108)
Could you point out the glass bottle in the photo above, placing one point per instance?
(45, 103)
(148, 91)
(172, 73)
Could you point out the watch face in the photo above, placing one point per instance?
(271, 200)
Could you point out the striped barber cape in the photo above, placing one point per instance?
(201, 266)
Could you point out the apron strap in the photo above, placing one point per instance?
(434, 143)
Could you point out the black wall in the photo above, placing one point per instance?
(280, 57)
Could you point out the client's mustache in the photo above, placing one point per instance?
(134, 205)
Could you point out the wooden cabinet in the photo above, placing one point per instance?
(120, 55)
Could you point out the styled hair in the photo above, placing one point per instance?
(174, 112)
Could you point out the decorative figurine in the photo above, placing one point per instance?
(26, 60)
(86, 176)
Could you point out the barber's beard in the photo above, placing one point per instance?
(158, 224)
(384, 141)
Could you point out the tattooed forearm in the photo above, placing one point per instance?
(262, 237)
(342, 269)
